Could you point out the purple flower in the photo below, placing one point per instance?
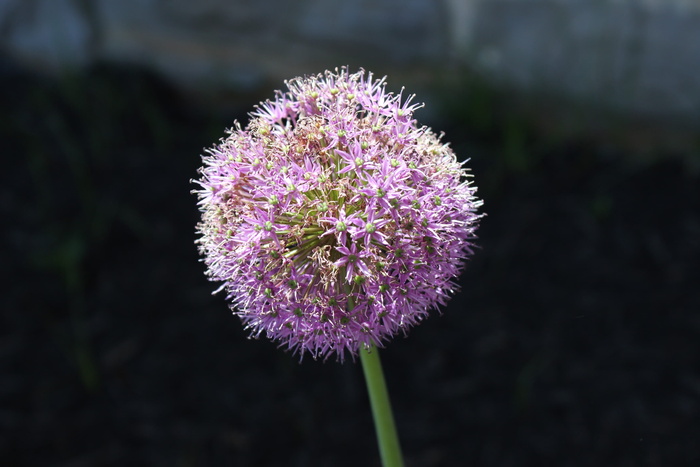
(333, 220)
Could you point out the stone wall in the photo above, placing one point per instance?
(640, 57)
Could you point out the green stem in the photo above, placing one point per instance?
(388, 440)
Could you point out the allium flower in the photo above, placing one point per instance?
(333, 220)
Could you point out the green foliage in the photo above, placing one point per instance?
(76, 139)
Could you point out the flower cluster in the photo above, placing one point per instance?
(333, 219)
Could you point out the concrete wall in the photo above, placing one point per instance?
(640, 57)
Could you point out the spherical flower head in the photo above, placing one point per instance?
(333, 220)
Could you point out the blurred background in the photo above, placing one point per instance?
(574, 339)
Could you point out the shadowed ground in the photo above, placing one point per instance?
(574, 340)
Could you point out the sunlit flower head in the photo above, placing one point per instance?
(333, 220)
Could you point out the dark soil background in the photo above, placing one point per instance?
(574, 341)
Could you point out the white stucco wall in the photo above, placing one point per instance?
(640, 56)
